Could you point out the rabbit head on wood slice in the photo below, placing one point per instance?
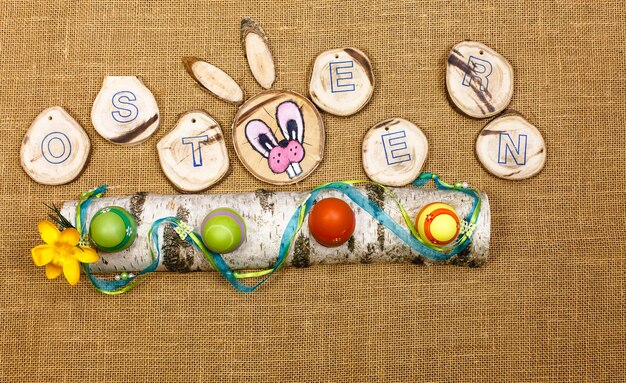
(278, 135)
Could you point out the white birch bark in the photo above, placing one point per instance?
(266, 214)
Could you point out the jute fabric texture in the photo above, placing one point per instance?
(550, 304)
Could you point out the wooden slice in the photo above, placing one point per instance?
(342, 81)
(213, 79)
(257, 50)
(55, 148)
(479, 79)
(193, 155)
(125, 111)
(279, 136)
(394, 152)
(512, 148)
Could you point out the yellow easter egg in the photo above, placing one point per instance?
(438, 224)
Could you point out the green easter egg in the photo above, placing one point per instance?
(223, 230)
(113, 229)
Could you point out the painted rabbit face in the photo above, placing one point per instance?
(284, 155)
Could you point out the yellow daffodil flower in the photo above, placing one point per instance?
(61, 252)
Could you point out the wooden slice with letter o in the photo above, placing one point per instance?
(279, 136)
(342, 81)
(479, 80)
(512, 148)
(125, 111)
(394, 152)
(55, 148)
(193, 155)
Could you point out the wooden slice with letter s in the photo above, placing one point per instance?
(125, 112)
(279, 136)
(193, 155)
(479, 80)
(55, 149)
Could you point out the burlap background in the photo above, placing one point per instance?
(548, 306)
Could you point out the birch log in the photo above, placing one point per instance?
(266, 214)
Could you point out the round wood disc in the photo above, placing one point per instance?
(125, 111)
(512, 148)
(479, 79)
(193, 155)
(394, 152)
(342, 81)
(279, 136)
(55, 148)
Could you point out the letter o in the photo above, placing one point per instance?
(56, 157)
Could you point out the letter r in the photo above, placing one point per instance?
(480, 71)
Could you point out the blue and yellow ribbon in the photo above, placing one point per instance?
(409, 237)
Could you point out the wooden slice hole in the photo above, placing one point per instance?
(193, 120)
(386, 128)
(49, 118)
(481, 52)
(336, 56)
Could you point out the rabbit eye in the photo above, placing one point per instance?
(265, 141)
(292, 129)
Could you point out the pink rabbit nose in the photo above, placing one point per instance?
(279, 159)
(295, 151)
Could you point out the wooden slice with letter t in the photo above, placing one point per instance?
(394, 152)
(512, 148)
(279, 136)
(193, 155)
(125, 111)
(342, 81)
(55, 148)
(479, 80)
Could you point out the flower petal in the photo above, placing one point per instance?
(85, 254)
(49, 233)
(69, 237)
(43, 254)
(71, 270)
(53, 271)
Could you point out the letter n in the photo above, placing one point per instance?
(507, 146)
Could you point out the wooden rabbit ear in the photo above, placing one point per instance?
(257, 51)
(213, 79)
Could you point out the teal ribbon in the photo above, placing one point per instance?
(294, 224)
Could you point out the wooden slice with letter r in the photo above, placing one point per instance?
(479, 80)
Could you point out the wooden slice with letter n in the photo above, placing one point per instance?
(55, 148)
(193, 155)
(125, 111)
(512, 148)
(279, 136)
(342, 81)
(394, 152)
(479, 79)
